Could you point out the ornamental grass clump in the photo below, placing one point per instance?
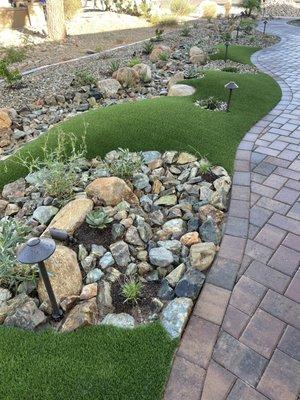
(131, 291)
(98, 219)
(13, 233)
(204, 165)
(211, 103)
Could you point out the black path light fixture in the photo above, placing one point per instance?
(237, 32)
(231, 86)
(226, 50)
(265, 26)
(36, 251)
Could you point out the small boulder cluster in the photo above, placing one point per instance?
(165, 226)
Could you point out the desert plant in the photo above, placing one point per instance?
(158, 35)
(71, 8)
(134, 61)
(83, 78)
(211, 103)
(131, 291)
(13, 55)
(227, 8)
(148, 47)
(165, 20)
(163, 56)
(114, 65)
(204, 165)
(98, 219)
(181, 7)
(125, 164)
(250, 6)
(186, 30)
(56, 169)
(209, 8)
(13, 233)
(11, 77)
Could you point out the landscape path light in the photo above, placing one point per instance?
(36, 251)
(265, 25)
(231, 86)
(226, 50)
(237, 32)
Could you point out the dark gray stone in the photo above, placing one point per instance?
(190, 284)
(209, 232)
(117, 231)
(165, 292)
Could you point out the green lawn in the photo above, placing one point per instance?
(103, 363)
(240, 54)
(97, 363)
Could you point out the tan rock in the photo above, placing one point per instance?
(202, 255)
(111, 191)
(159, 49)
(3, 205)
(126, 76)
(69, 302)
(5, 120)
(85, 313)
(185, 158)
(156, 187)
(174, 277)
(144, 72)
(109, 87)
(64, 273)
(71, 216)
(181, 90)
(197, 56)
(210, 211)
(190, 238)
(11, 209)
(89, 291)
(223, 184)
(179, 76)
(5, 137)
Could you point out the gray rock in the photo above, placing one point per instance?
(165, 292)
(175, 315)
(168, 200)
(140, 181)
(156, 218)
(94, 276)
(190, 284)
(209, 232)
(4, 295)
(14, 190)
(175, 226)
(145, 231)
(172, 245)
(161, 257)
(97, 250)
(121, 320)
(149, 156)
(117, 231)
(132, 236)
(193, 224)
(107, 260)
(174, 276)
(104, 298)
(120, 252)
(44, 214)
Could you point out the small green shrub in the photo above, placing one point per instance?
(71, 8)
(134, 61)
(186, 30)
(84, 78)
(125, 165)
(114, 65)
(181, 7)
(11, 77)
(131, 291)
(250, 6)
(148, 47)
(230, 69)
(163, 56)
(13, 233)
(98, 219)
(204, 165)
(158, 35)
(13, 55)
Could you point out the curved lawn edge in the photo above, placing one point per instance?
(166, 123)
(237, 53)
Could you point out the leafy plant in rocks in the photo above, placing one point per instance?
(230, 69)
(12, 77)
(134, 61)
(125, 165)
(98, 219)
(13, 233)
(186, 30)
(211, 103)
(204, 165)
(114, 65)
(158, 35)
(13, 55)
(84, 78)
(148, 47)
(163, 56)
(56, 171)
(131, 291)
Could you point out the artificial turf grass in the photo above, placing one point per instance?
(95, 363)
(237, 53)
(167, 123)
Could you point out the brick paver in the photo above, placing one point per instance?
(243, 340)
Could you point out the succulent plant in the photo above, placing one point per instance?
(98, 219)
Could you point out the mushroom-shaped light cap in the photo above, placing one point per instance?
(36, 250)
(231, 86)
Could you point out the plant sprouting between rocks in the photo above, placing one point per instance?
(204, 165)
(125, 165)
(98, 219)
(131, 291)
(211, 103)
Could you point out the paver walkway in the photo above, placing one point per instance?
(243, 339)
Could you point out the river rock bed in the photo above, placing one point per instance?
(166, 226)
(50, 96)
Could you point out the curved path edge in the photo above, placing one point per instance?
(243, 338)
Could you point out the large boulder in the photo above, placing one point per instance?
(109, 87)
(85, 313)
(71, 216)
(64, 274)
(181, 90)
(126, 76)
(202, 255)
(111, 191)
(158, 50)
(144, 72)
(198, 56)
(175, 315)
